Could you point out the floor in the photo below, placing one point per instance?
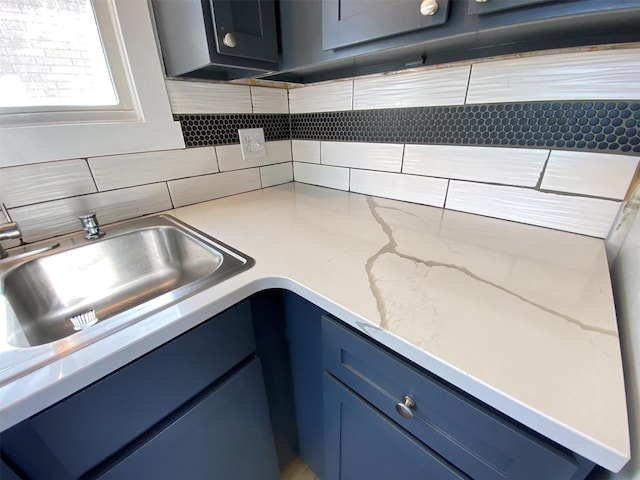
(297, 470)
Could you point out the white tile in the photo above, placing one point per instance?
(369, 156)
(604, 74)
(597, 174)
(410, 188)
(119, 171)
(59, 217)
(42, 182)
(442, 86)
(589, 216)
(306, 151)
(511, 166)
(200, 189)
(269, 100)
(204, 97)
(230, 156)
(276, 174)
(322, 175)
(327, 97)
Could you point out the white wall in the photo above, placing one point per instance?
(625, 275)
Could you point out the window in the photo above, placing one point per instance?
(54, 56)
(80, 78)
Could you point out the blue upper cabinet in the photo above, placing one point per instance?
(347, 22)
(246, 28)
(328, 39)
(217, 39)
(482, 7)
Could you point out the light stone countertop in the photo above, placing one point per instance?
(520, 317)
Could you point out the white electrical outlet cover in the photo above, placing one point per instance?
(252, 143)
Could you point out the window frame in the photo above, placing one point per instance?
(143, 122)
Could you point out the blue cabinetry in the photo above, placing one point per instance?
(363, 443)
(226, 434)
(419, 415)
(87, 433)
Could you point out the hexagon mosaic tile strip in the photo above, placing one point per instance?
(222, 129)
(597, 126)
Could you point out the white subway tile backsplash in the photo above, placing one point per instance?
(602, 74)
(120, 171)
(204, 97)
(271, 175)
(370, 156)
(230, 156)
(42, 182)
(588, 216)
(443, 86)
(60, 217)
(596, 174)
(511, 166)
(187, 191)
(326, 97)
(306, 151)
(410, 188)
(322, 175)
(269, 100)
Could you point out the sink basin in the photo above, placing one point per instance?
(140, 266)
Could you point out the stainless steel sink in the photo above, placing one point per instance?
(140, 266)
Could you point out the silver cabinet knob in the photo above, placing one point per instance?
(482, 1)
(405, 407)
(229, 40)
(428, 7)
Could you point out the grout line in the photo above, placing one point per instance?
(404, 146)
(251, 100)
(543, 171)
(95, 184)
(446, 193)
(170, 197)
(353, 92)
(466, 93)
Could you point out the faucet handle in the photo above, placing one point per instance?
(91, 226)
(8, 231)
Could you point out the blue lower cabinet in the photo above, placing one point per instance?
(362, 443)
(305, 348)
(477, 440)
(227, 435)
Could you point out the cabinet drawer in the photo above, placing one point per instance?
(476, 440)
(71, 437)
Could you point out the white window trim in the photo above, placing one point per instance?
(154, 128)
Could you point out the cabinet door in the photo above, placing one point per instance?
(75, 435)
(479, 7)
(348, 22)
(363, 443)
(226, 435)
(246, 28)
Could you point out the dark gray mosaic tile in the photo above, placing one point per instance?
(599, 126)
(595, 125)
(222, 129)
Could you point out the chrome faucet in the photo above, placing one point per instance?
(8, 231)
(91, 226)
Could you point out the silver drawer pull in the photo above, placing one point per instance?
(405, 407)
